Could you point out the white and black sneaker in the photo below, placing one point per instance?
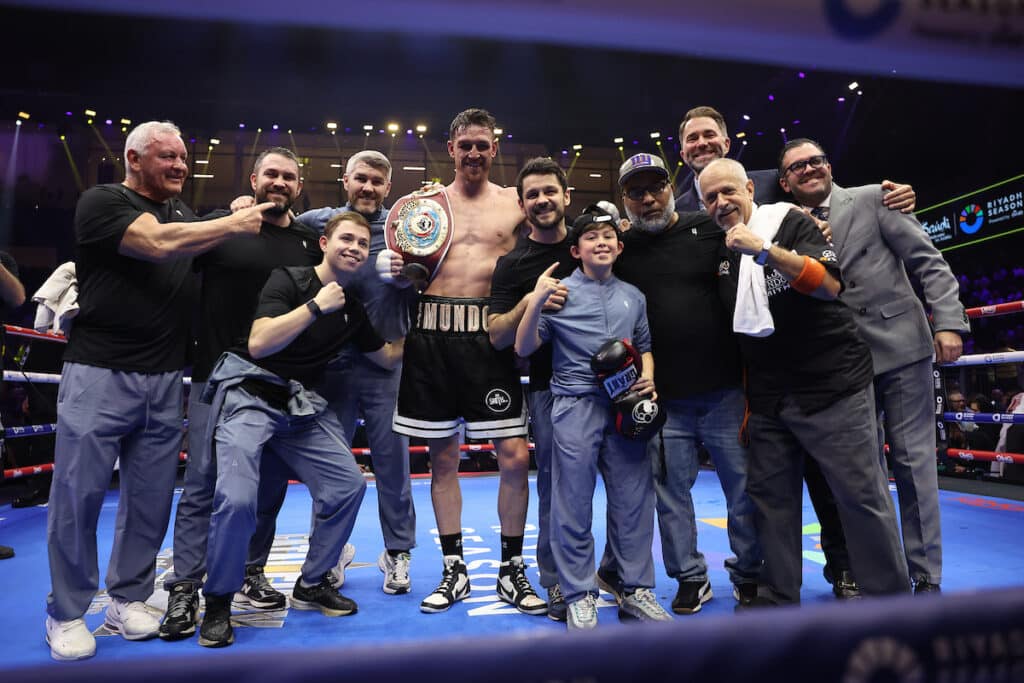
(515, 589)
(257, 592)
(345, 557)
(454, 586)
(396, 572)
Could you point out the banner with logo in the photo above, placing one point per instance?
(979, 216)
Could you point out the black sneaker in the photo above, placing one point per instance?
(257, 592)
(454, 586)
(922, 587)
(610, 582)
(691, 595)
(745, 593)
(557, 609)
(515, 589)
(216, 630)
(844, 587)
(182, 612)
(323, 597)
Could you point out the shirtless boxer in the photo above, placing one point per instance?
(453, 372)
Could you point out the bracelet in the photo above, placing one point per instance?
(314, 308)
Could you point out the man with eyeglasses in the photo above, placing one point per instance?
(877, 250)
(672, 257)
(452, 375)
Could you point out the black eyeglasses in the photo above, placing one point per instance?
(637, 193)
(481, 146)
(814, 162)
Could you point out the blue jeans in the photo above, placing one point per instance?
(712, 419)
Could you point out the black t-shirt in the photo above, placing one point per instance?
(305, 359)
(815, 353)
(233, 273)
(133, 314)
(12, 266)
(695, 350)
(515, 276)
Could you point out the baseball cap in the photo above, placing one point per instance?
(639, 163)
(595, 215)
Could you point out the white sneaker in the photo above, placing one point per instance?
(396, 572)
(582, 614)
(643, 606)
(133, 620)
(337, 573)
(69, 640)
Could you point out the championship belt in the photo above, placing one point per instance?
(419, 227)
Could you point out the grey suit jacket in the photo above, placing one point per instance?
(877, 249)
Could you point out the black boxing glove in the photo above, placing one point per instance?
(638, 417)
(617, 365)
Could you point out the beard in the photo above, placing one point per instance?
(277, 209)
(654, 223)
(559, 215)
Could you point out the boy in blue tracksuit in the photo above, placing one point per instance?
(599, 308)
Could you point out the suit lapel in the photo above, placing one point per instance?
(840, 216)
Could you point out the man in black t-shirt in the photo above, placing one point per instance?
(12, 295)
(233, 273)
(120, 394)
(261, 401)
(543, 196)
(808, 386)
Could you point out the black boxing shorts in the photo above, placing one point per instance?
(451, 373)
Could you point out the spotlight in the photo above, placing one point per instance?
(367, 127)
(392, 127)
(274, 126)
(126, 122)
(90, 112)
(17, 123)
(331, 125)
(214, 141)
(23, 115)
(741, 135)
(746, 117)
(499, 131)
(840, 99)
(577, 147)
(617, 141)
(421, 128)
(854, 85)
(655, 135)
(241, 125)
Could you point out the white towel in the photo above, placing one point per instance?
(58, 300)
(752, 316)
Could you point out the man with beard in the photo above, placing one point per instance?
(543, 195)
(672, 258)
(453, 374)
(353, 385)
(233, 274)
(877, 250)
(121, 385)
(808, 386)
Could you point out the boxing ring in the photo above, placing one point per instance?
(974, 632)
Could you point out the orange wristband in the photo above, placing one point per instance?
(810, 278)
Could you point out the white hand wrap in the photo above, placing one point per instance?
(384, 265)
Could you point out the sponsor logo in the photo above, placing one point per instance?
(645, 411)
(939, 231)
(1004, 208)
(723, 268)
(498, 400)
(972, 217)
(883, 658)
(828, 256)
(622, 380)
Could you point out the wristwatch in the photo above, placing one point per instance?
(762, 257)
(314, 308)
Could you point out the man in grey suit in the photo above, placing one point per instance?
(876, 250)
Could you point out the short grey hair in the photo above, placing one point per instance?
(371, 158)
(734, 167)
(145, 133)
